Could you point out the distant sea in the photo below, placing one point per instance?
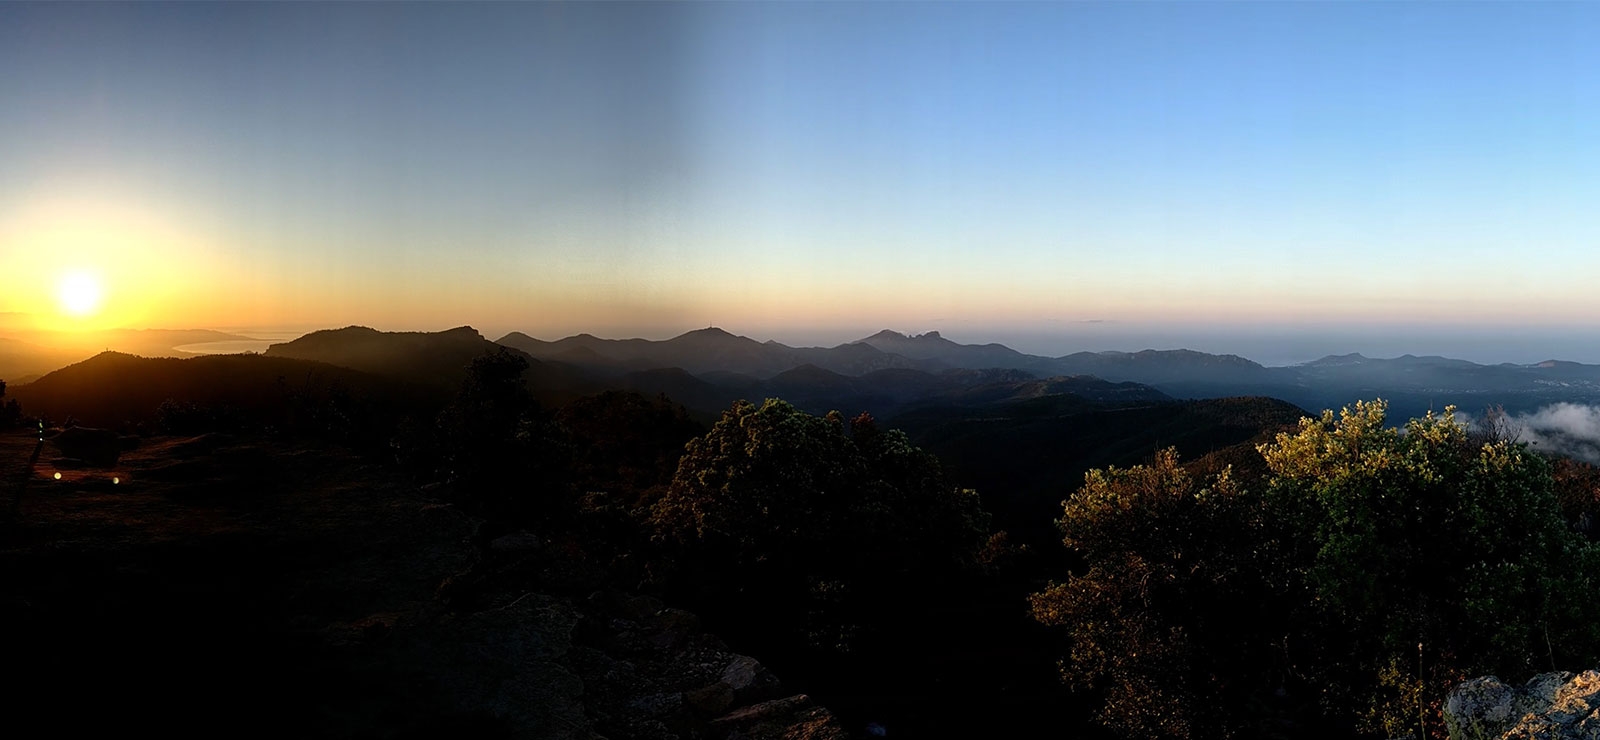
(258, 343)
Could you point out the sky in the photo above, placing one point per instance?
(1279, 180)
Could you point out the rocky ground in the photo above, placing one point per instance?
(1551, 706)
(218, 585)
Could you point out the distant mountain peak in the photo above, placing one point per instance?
(463, 331)
(890, 335)
(708, 332)
(1354, 358)
(460, 332)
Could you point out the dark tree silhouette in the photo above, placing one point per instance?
(798, 522)
(10, 411)
(502, 455)
(626, 444)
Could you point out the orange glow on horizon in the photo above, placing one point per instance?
(100, 260)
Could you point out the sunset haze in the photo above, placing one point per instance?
(1082, 175)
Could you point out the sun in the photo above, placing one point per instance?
(79, 293)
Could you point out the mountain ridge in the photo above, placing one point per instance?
(718, 365)
(1411, 382)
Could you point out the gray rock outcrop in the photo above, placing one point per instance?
(1551, 706)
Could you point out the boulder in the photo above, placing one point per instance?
(1550, 706)
(791, 718)
(749, 680)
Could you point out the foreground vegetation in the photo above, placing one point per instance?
(1335, 581)
(1368, 572)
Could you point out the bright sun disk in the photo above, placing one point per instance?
(79, 293)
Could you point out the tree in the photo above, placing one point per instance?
(774, 502)
(501, 452)
(1153, 618)
(10, 411)
(1381, 566)
(1427, 556)
(625, 443)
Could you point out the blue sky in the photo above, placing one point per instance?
(815, 172)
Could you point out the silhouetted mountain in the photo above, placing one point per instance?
(1086, 387)
(810, 379)
(1354, 358)
(737, 365)
(887, 392)
(113, 388)
(746, 385)
(431, 358)
(1179, 372)
(426, 356)
(859, 358)
(21, 360)
(704, 399)
(1414, 385)
(715, 349)
(707, 350)
(29, 354)
(1166, 366)
(933, 347)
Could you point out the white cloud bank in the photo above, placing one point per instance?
(1570, 429)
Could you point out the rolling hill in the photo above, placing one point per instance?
(113, 388)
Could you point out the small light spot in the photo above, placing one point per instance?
(58, 476)
(115, 480)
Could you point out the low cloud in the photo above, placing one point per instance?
(1570, 429)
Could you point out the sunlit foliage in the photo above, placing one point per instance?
(1428, 556)
(1374, 566)
(1154, 619)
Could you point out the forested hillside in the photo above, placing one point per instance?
(1000, 554)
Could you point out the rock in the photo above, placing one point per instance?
(658, 706)
(509, 664)
(1569, 714)
(640, 607)
(710, 701)
(791, 718)
(1480, 709)
(675, 627)
(1551, 706)
(750, 681)
(516, 543)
